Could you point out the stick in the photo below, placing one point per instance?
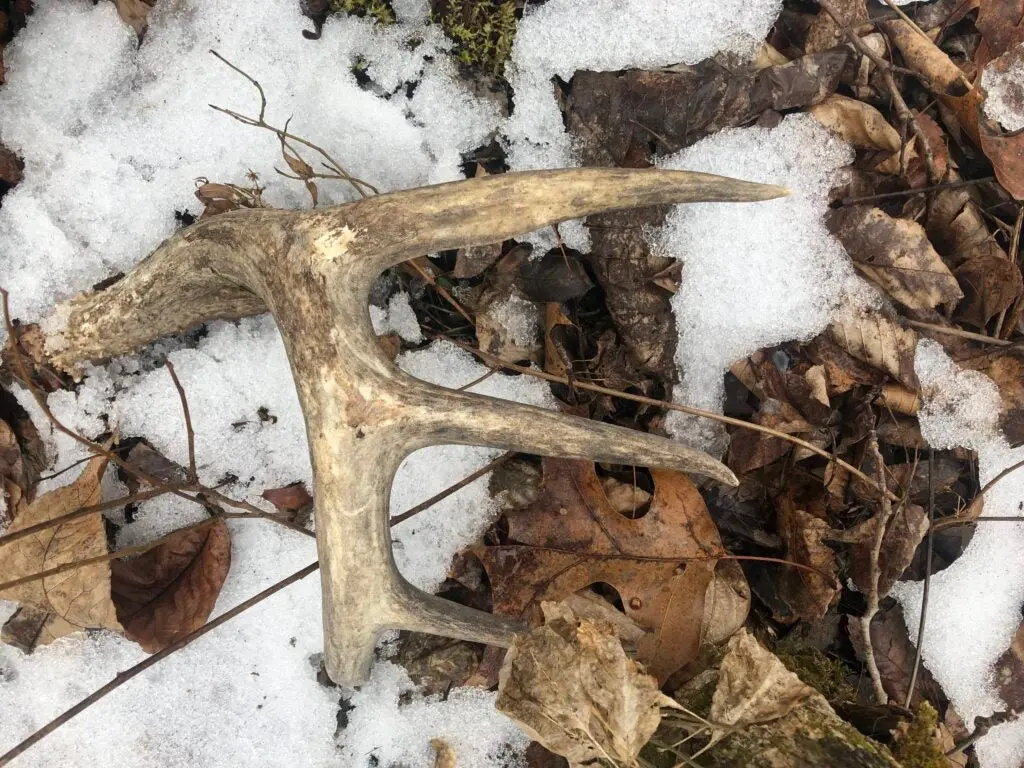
(148, 662)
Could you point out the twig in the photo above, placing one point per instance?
(982, 725)
(79, 513)
(873, 598)
(442, 291)
(958, 332)
(497, 361)
(337, 171)
(1005, 329)
(902, 110)
(912, 192)
(138, 549)
(190, 434)
(976, 507)
(489, 467)
(148, 662)
(929, 547)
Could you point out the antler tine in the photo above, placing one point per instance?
(461, 417)
(382, 231)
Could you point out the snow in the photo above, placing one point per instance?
(753, 274)
(974, 604)
(1004, 91)
(114, 134)
(563, 36)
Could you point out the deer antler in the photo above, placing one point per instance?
(314, 270)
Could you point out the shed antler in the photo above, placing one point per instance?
(314, 270)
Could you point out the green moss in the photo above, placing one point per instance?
(828, 676)
(483, 31)
(917, 748)
(378, 10)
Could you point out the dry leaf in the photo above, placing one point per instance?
(445, 753)
(289, 498)
(1001, 23)
(11, 166)
(508, 326)
(169, 591)
(473, 260)
(904, 533)
(571, 687)
(1005, 148)
(134, 13)
(808, 595)
(858, 123)
(825, 33)
(879, 341)
(896, 255)
(948, 81)
(571, 537)
(956, 226)
(81, 597)
(754, 686)
(990, 284)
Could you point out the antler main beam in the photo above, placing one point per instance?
(313, 270)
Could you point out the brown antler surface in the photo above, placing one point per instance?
(313, 270)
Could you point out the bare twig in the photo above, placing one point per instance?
(976, 507)
(497, 361)
(873, 598)
(429, 278)
(929, 548)
(190, 434)
(148, 662)
(950, 331)
(336, 170)
(1008, 324)
(913, 192)
(486, 468)
(982, 725)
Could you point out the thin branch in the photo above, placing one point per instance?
(81, 512)
(913, 192)
(929, 548)
(885, 515)
(1007, 325)
(977, 506)
(442, 291)
(575, 383)
(338, 172)
(486, 468)
(190, 434)
(148, 662)
(958, 332)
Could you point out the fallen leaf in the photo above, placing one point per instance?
(825, 32)
(1006, 368)
(896, 255)
(1001, 24)
(81, 597)
(754, 686)
(289, 498)
(571, 537)
(571, 687)
(808, 595)
(947, 80)
(445, 753)
(508, 326)
(879, 341)
(1003, 146)
(169, 591)
(861, 125)
(903, 534)
(11, 166)
(956, 226)
(1009, 672)
(135, 14)
(990, 285)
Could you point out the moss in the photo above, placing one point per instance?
(917, 747)
(828, 676)
(378, 10)
(483, 31)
